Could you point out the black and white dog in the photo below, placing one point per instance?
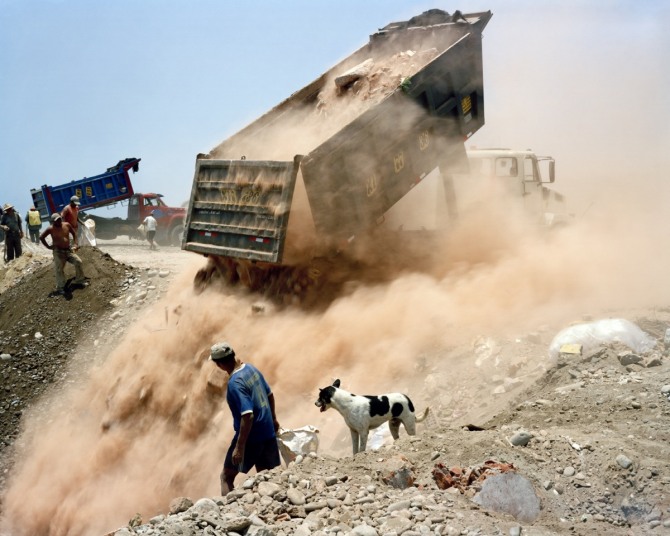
(364, 413)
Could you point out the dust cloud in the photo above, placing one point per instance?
(148, 424)
(144, 427)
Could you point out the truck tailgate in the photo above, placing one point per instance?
(240, 208)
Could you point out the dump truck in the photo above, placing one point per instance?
(524, 175)
(105, 190)
(518, 179)
(277, 205)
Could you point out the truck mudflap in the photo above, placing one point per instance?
(240, 208)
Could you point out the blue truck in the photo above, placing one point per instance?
(106, 189)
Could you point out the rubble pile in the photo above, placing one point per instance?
(571, 470)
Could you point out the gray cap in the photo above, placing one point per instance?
(221, 350)
(74, 199)
(55, 216)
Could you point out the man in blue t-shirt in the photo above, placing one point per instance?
(254, 420)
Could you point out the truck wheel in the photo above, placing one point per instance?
(176, 234)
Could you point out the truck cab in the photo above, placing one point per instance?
(170, 219)
(523, 175)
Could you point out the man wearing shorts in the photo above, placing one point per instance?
(254, 419)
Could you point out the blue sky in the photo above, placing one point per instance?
(85, 83)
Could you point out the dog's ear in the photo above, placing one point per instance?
(336, 383)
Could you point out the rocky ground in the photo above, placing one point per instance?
(587, 440)
(577, 445)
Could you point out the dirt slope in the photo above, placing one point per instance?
(39, 332)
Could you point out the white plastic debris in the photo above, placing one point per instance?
(297, 442)
(593, 334)
(379, 437)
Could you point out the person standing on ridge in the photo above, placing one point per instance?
(34, 224)
(70, 214)
(10, 222)
(63, 251)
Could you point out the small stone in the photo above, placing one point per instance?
(180, 504)
(629, 358)
(268, 489)
(141, 295)
(295, 496)
(569, 471)
(623, 461)
(400, 505)
(364, 530)
(318, 505)
(520, 438)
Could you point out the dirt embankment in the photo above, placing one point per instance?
(39, 332)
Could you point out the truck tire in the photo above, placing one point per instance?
(176, 233)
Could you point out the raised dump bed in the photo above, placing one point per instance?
(360, 137)
(325, 164)
(110, 187)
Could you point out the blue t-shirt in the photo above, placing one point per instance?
(248, 393)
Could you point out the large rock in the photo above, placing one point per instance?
(360, 71)
(180, 504)
(512, 494)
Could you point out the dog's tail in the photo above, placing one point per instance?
(423, 417)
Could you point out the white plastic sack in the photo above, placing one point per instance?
(594, 334)
(299, 441)
(88, 233)
(379, 437)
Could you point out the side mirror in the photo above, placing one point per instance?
(552, 170)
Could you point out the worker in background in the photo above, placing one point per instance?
(254, 420)
(10, 222)
(34, 224)
(150, 225)
(63, 251)
(70, 213)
